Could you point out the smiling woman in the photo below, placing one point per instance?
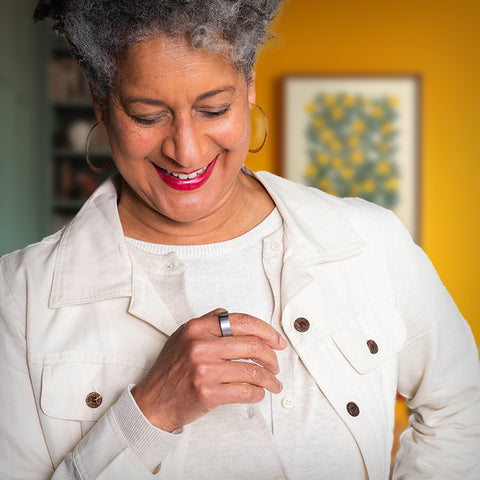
(117, 349)
(179, 128)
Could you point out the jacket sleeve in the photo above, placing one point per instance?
(439, 374)
(122, 444)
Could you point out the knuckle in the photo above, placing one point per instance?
(203, 393)
(255, 373)
(201, 373)
(196, 351)
(192, 326)
(245, 392)
(251, 394)
(188, 329)
(245, 321)
(255, 345)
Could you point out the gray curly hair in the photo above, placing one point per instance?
(99, 31)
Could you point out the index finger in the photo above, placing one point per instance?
(244, 324)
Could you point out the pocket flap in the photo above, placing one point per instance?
(66, 386)
(381, 324)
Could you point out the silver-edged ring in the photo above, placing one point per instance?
(224, 319)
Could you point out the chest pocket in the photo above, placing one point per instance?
(84, 391)
(374, 335)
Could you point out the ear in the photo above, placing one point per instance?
(252, 94)
(99, 109)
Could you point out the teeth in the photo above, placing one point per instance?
(184, 176)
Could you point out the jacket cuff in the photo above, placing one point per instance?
(149, 444)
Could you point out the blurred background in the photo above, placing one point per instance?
(45, 113)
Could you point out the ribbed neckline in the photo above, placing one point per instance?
(271, 224)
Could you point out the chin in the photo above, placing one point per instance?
(185, 213)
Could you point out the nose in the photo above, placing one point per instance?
(184, 144)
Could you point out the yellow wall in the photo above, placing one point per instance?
(440, 40)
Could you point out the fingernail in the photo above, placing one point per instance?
(283, 342)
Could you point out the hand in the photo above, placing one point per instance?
(193, 373)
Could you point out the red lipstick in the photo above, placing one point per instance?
(187, 183)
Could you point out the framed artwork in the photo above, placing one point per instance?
(356, 136)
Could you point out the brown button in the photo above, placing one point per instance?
(352, 409)
(372, 346)
(94, 400)
(301, 324)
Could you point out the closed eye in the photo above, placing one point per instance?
(147, 120)
(215, 113)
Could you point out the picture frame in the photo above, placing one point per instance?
(356, 136)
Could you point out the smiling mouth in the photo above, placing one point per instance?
(185, 176)
(186, 181)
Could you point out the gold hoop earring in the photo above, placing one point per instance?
(256, 150)
(87, 155)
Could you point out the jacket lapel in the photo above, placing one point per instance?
(147, 305)
(93, 264)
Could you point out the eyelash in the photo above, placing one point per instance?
(216, 113)
(144, 121)
(208, 113)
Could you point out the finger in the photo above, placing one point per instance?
(250, 373)
(239, 393)
(243, 324)
(245, 347)
(211, 321)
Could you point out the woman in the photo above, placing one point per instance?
(116, 338)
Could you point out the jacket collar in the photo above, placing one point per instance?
(315, 230)
(93, 263)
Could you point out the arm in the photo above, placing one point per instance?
(439, 375)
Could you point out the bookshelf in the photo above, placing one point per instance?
(72, 117)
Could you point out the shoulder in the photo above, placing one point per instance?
(22, 273)
(36, 259)
(36, 255)
(339, 228)
(371, 221)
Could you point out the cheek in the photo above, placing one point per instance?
(128, 142)
(235, 132)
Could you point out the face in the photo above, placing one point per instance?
(179, 129)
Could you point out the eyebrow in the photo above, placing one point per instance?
(156, 102)
(212, 93)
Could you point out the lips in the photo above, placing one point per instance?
(186, 181)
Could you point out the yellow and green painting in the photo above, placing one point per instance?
(352, 144)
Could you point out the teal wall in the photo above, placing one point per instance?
(24, 127)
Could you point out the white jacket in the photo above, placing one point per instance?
(77, 317)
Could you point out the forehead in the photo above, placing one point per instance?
(162, 63)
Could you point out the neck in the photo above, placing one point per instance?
(248, 205)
